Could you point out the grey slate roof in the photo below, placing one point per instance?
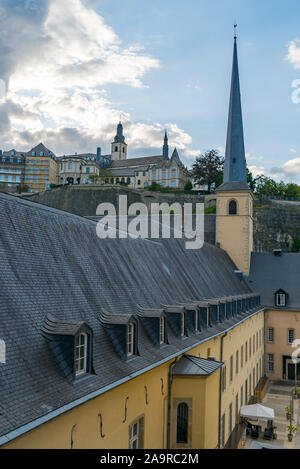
(56, 326)
(41, 148)
(53, 263)
(189, 365)
(233, 186)
(235, 161)
(269, 273)
(142, 161)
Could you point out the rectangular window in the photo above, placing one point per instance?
(236, 409)
(224, 378)
(246, 352)
(271, 334)
(291, 336)
(130, 340)
(250, 347)
(270, 362)
(237, 362)
(242, 356)
(223, 422)
(280, 299)
(231, 368)
(230, 420)
(81, 354)
(136, 432)
(242, 395)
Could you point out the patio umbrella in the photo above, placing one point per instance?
(257, 412)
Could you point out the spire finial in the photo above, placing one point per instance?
(235, 28)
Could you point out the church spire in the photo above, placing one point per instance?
(119, 138)
(166, 146)
(235, 173)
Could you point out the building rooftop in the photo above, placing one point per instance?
(56, 273)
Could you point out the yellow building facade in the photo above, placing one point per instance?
(40, 169)
(105, 421)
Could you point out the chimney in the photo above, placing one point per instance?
(98, 154)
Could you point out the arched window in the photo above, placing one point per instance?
(232, 207)
(182, 423)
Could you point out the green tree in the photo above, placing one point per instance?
(295, 245)
(267, 186)
(251, 180)
(292, 191)
(188, 186)
(208, 169)
(21, 189)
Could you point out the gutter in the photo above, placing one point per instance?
(4, 439)
(220, 391)
(170, 381)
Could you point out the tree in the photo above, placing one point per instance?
(208, 168)
(251, 180)
(188, 186)
(21, 189)
(292, 191)
(267, 186)
(295, 245)
(103, 175)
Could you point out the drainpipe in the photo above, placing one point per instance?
(220, 391)
(170, 381)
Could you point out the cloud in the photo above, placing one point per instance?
(55, 60)
(258, 170)
(292, 166)
(293, 55)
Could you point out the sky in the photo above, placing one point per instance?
(70, 70)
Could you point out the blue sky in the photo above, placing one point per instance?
(156, 64)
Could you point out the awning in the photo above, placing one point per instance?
(257, 412)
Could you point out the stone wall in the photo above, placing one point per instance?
(276, 223)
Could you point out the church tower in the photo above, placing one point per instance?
(234, 219)
(166, 146)
(118, 146)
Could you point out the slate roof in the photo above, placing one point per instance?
(270, 273)
(235, 161)
(53, 263)
(142, 161)
(188, 365)
(233, 186)
(41, 148)
(56, 326)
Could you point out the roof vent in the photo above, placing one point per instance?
(239, 274)
(277, 252)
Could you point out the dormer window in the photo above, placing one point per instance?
(280, 298)
(81, 352)
(122, 330)
(71, 344)
(130, 340)
(155, 324)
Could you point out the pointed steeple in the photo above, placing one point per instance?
(119, 138)
(235, 173)
(166, 146)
